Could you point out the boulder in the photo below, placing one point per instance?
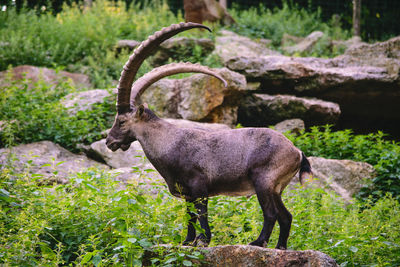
(200, 125)
(79, 101)
(345, 177)
(49, 76)
(46, 160)
(294, 126)
(365, 82)
(199, 97)
(206, 10)
(231, 45)
(264, 110)
(181, 49)
(250, 256)
(306, 44)
(127, 44)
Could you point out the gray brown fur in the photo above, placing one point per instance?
(197, 164)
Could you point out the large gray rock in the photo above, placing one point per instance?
(345, 177)
(47, 160)
(49, 76)
(264, 110)
(75, 102)
(365, 82)
(294, 126)
(231, 45)
(251, 256)
(198, 97)
(306, 44)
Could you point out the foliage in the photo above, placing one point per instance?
(273, 24)
(92, 220)
(80, 40)
(384, 155)
(32, 112)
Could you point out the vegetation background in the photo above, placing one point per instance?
(90, 221)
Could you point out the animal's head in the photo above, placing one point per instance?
(132, 116)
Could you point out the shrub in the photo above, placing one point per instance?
(273, 24)
(32, 112)
(90, 221)
(384, 155)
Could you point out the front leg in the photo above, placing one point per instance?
(191, 231)
(203, 239)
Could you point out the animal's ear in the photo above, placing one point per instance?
(140, 110)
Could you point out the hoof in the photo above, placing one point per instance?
(201, 241)
(280, 247)
(258, 243)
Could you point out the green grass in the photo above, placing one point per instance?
(273, 24)
(90, 221)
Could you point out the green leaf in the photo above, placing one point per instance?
(96, 260)
(87, 258)
(353, 249)
(187, 263)
(132, 240)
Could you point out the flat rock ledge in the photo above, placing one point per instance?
(246, 256)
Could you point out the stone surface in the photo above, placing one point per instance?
(84, 100)
(46, 159)
(264, 110)
(294, 126)
(201, 125)
(198, 97)
(49, 76)
(127, 44)
(306, 44)
(206, 10)
(231, 45)
(252, 256)
(345, 177)
(365, 82)
(181, 48)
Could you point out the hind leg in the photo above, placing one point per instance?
(284, 220)
(269, 210)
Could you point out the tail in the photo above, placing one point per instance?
(305, 168)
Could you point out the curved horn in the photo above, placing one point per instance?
(140, 54)
(156, 74)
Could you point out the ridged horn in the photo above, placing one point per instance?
(156, 74)
(140, 54)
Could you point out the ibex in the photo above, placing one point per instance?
(197, 164)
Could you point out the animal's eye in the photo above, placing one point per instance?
(121, 123)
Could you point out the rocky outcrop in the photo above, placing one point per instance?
(264, 110)
(345, 177)
(365, 82)
(75, 102)
(230, 45)
(305, 44)
(294, 126)
(198, 97)
(251, 256)
(46, 160)
(49, 76)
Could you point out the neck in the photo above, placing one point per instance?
(154, 137)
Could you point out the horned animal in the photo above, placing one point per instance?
(197, 164)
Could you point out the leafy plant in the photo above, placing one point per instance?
(32, 112)
(384, 155)
(92, 220)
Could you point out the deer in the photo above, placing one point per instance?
(197, 164)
